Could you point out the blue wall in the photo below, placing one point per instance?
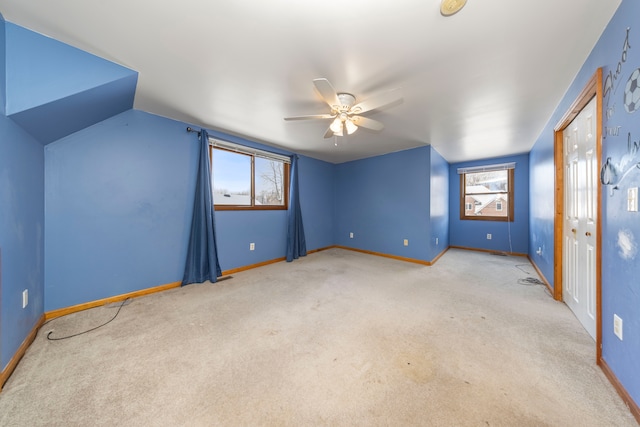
(3, 66)
(54, 89)
(119, 199)
(237, 229)
(21, 236)
(384, 200)
(118, 184)
(541, 214)
(620, 229)
(43, 70)
(505, 236)
(317, 199)
(439, 204)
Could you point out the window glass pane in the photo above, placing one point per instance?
(487, 182)
(487, 194)
(231, 178)
(269, 182)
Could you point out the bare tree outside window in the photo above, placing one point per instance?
(246, 181)
(270, 191)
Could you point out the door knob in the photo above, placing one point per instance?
(588, 233)
(573, 230)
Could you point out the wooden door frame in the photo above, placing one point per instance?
(593, 88)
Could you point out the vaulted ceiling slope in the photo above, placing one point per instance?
(479, 84)
(53, 89)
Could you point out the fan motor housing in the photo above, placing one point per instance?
(347, 101)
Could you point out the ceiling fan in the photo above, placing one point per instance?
(346, 114)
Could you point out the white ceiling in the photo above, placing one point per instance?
(479, 84)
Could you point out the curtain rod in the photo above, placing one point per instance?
(190, 129)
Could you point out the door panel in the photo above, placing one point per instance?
(579, 251)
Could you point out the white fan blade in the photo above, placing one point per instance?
(368, 123)
(327, 92)
(328, 133)
(377, 101)
(312, 116)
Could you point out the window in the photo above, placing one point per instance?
(486, 193)
(245, 178)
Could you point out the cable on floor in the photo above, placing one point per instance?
(111, 305)
(520, 267)
(530, 281)
(92, 329)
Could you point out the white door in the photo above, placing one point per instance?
(580, 207)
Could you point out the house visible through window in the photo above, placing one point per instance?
(486, 193)
(246, 178)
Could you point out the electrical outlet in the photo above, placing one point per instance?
(488, 236)
(25, 298)
(351, 235)
(436, 241)
(406, 242)
(539, 251)
(252, 246)
(617, 326)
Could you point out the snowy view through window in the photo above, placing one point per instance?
(487, 193)
(232, 180)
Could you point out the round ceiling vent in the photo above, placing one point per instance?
(449, 7)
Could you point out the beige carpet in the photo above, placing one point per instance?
(337, 338)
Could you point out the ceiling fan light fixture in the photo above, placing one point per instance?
(351, 127)
(336, 126)
(345, 113)
(450, 7)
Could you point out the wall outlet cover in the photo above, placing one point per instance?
(617, 326)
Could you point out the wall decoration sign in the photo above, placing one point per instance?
(627, 246)
(612, 77)
(621, 87)
(632, 92)
(614, 172)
